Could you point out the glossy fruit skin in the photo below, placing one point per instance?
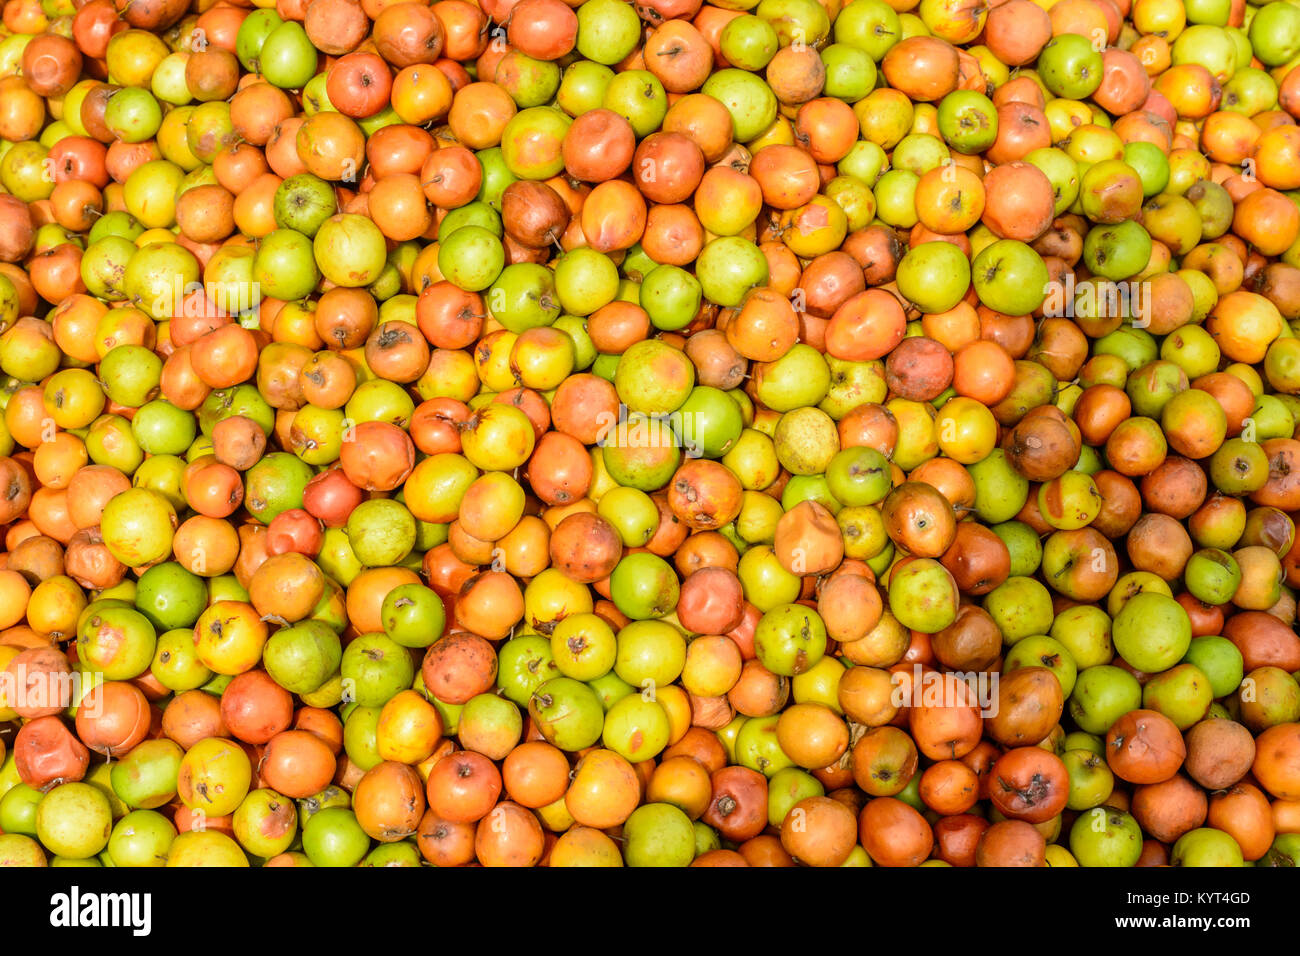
(567, 713)
(790, 640)
(334, 838)
(1135, 620)
(644, 586)
(1005, 266)
(1106, 838)
(659, 835)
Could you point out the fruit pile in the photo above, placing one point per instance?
(751, 433)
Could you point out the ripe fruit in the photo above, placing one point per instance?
(854, 434)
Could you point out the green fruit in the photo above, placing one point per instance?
(923, 595)
(1182, 693)
(117, 642)
(266, 823)
(806, 441)
(654, 378)
(610, 689)
(1000, 490)
(350, 250)
(1070, 67)
(786, 788)
(130, 373)
(137, 527)
(1084, 631)
(749, 42)
(608, 30)
(638, 97)
(790, 639)
(1206, 847)
(274, 485)
(360, 732)
(1285, 851)
(650, 654)
(1106, 837)
(205, 848)
(524, 663)
(728, 267)
(1091, 780)
(146, 776)
(567, 713)
(1010, 277)
(1102, 695)
(658, 834)
(1023, 545)
(758, 749)
(711, 422)
(968, 121)
(585, 279)
(287, 57)
(18, 809)
(74, 820)
(413, 615)
(302, 203)
(382, 532)
(859, 476)
(644, 585)
(1220, 660)
(141, 838)
(633, 514)
(749, 100)
(1152, 632)
(1275, 33)
(523, 297)
(170, 596)
(375, 668)
(799, 378)
(935, 275)
(302, 657)
(285, 264)
(636, 728)
(1021, 606)
(1042, 651)
(176, 664)
(333, 837)
(584, 646)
